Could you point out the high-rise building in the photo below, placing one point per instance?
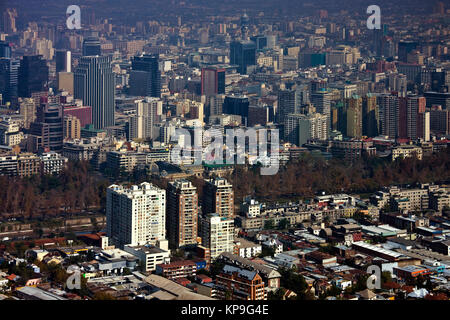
(72, 127)
(92, 46)
(145, 76)
(411, 122)
(48, 127)
(288, 102)
(136, 216)
(389, 115)
(405, 47)
(182, 213)
(142, 124)
(94, 84)
(243, 54)
(9, 69)
(83, 113)
(237, 105)
(9, 20)
(302, 128)
(218, 197)
(439, 120)
(321, 100)
(27, 109)
(5, 50)
(354, 117)
(63, 59)
(213, 81)
(370, 120)
(32, 75)
(217, 233)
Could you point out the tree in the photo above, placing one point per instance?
(283, 224)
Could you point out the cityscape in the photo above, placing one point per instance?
(224, 151)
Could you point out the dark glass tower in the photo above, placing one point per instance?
(237, 105)
(94, 84)
(145, 76)
(33, 75)
(243, 54)
(91, 47)
(5, 50)
(8, 79)
(49, 126)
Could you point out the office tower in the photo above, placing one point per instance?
(439, 120)
(423, 126)
(9, 20)
(182, 213)
(63, 61)
(217, 233)
(237, 105)
(94, 84)
(389, 115)
(148, 112)
(27, 109)
(370, 115)
(302, 128)
(72, 127)
(32, 75)
(438, 98)
(259, 115)
(288, 102)
(213, 81)
(243, 54)
(321, 100)
(5, 50)
(354, 116)
(92, 47)
(405, 47)
(9, 69)
(218, 197)
(48, 127)
(136, 215)
(216, 104)
(145, 76)
(260, 41)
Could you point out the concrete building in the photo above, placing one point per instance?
(218, 197)
(136, 216)
(217, 234)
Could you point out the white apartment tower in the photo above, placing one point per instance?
(217, 234)
(136, 215)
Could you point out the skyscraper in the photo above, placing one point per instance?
(182, 213)
(321, 100)
(301, 128)
(370, 115)
(94, 84)
(63, 61)
(243, 54)
(389, 115)
(148, 111)
(354, 116)
(48, 127)
(288, 102)
(32, 75)
(237, 105)
(9, 69)
(218, 197)
(136, 215)
(92, 46)
(213, 81)
(145, 76)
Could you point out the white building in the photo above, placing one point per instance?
(137, 215)
(143, 122)
(217, 234)
(149, 256)
(52, 163)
